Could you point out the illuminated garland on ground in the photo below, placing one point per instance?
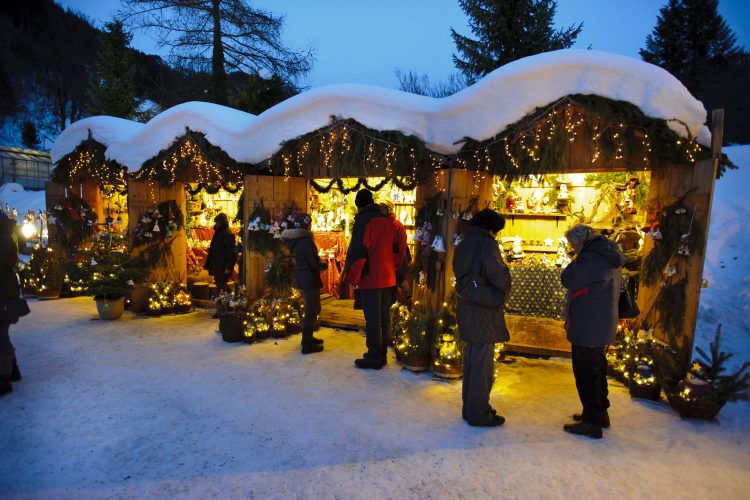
(211, 164)
(347, 148)
(616, 130)
(87, 162)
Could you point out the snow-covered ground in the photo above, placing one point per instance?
(145, 407)
(161, 407)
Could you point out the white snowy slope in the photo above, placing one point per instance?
(480, 111)
(727, 265)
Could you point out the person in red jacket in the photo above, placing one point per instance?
(401, 254)
(371, 264)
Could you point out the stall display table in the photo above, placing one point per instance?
(536, 291)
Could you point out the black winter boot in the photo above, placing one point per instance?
(316, 340)
(310, 348)
(578, 417)
(5, 387)
(593, 431)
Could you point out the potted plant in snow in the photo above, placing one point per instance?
(705, 389)
(232, 310)
(112, 279)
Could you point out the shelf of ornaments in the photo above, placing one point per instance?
(535, 215)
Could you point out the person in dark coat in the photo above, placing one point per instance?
(593, 282)
(221, 253)
(478, 256)
(307, 265)
(371, 264)
(9, 290)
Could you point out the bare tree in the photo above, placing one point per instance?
(415, 83)
(221, 35)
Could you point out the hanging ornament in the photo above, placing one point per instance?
(156, 228)
(422, 278)
(457, 239)
(438, 244)
(456, 214)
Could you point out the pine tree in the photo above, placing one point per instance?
(29, 135)
(223, 35)
(690, 40)
(507, 30)
(112, 88)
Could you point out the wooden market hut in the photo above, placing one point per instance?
(84, 177)
(570, 112)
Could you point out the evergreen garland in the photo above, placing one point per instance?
(360, 184)
(230, 187)
(671, 303)
(76, 223)
(347, 148)
(173, 164)
(88, 162)
(279, 276)
(536, 143)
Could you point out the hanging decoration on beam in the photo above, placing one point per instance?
(192, 158)
(347, 148)
(195, 188)
(617, 131)
(88, 163)
(339, 183)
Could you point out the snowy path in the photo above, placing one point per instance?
(162, 408)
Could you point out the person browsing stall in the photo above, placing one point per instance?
(307, 268)
(371, 265)
(593, 281)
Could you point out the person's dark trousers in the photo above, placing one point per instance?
(389, 298)
(590, 372)
(375, 305)
(7, 356)
(221, 282)
(311, 297)
(479, 369)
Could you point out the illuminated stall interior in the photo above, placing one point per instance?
(203, 204)
(332, 209)
(541, 208)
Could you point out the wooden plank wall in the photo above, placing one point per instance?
(666, 188)
(145, 195)
(278, 194)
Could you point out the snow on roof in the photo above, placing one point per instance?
(481, 111)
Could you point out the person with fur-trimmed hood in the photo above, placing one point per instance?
(308, 265)
(593, 281)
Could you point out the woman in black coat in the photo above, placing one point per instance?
(221, 253)
(593, 281)
(307, 265)
(8, 291)
(478, 259)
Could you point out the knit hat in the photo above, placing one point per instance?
(387, 203)
(301, 220)
(363, 198)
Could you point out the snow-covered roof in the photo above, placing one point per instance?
(480, 112)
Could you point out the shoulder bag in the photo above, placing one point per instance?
(13, 309)
(475, 290)
(627, 307)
